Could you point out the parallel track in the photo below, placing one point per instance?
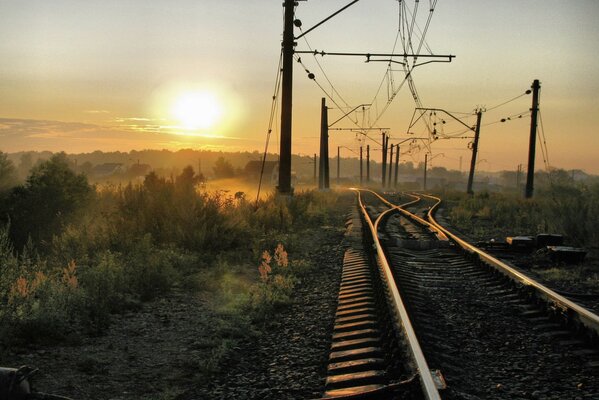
(492, 331)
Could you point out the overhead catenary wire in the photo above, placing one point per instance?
(508, 101)
(333, 89)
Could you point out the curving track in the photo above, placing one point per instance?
(493, 332)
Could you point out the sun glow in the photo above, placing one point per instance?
(197, 110)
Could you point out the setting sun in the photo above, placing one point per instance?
(197, 110)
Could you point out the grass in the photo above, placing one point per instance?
(134, 244)
(563, 206)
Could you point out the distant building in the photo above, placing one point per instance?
(108, 169)
(270, 175)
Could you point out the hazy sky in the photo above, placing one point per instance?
(113, 75)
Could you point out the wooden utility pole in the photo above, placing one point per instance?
(338, 163)
(396, 165)
(361, 168)
(367, 163)
(384, 160)
(390, 166)
(323, 182)
(286, 100)
(315, 161)
(479, 114)
(530, 176)
(425, 166)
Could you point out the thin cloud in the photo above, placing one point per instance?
(26, 134)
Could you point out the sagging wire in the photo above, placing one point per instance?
(543, 141)
(273, 111)
(508, 101)
(312, 77)
(333, 89)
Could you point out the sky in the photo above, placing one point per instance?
(80, 76)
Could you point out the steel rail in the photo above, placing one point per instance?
(402, 319)
(440, 234)
(584, 316)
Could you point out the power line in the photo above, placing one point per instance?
(508, 101)
(273, 110)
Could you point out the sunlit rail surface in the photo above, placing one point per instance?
(451, 321)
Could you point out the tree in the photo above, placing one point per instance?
(8, 177)
(25, 165)
(223, 169)
(50, 198)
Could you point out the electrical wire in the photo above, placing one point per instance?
(333, 89)
(273, 110)
(508, 101)
(543, 141)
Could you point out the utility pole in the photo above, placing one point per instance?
(367, 163)
(518, 177)
(384, 159)
(425, 166)
(396, 164)
(390, 166)
(338, 163)
(361, 169)
(479, 114)
(323, 183)
(530, 176)
(315, 161)
(288, 44)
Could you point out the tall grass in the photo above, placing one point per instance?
(563, 206)
(135, 242)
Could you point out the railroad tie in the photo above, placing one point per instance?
(356, 362)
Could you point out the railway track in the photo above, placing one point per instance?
(446, 320)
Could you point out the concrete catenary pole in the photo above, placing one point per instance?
(530, 175)
(288, 44)
(396, 165)
(479, 114)
(361, 168)
(323, 182)
(425, 167)
(338, 163)
(367, 163)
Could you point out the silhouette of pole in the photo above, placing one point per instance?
(384, 160)
(391, 165)
(315, 161)
(530, 176)
(367, 163)
(286, 100)
(323, 182)
(479, 114)
(338, 163)
(396, 165)
(361, 168)
(425, 166)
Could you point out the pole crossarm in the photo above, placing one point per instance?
(369, 55)
(326, 19)
(415, 65)
(437, 110)
(359, 129)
